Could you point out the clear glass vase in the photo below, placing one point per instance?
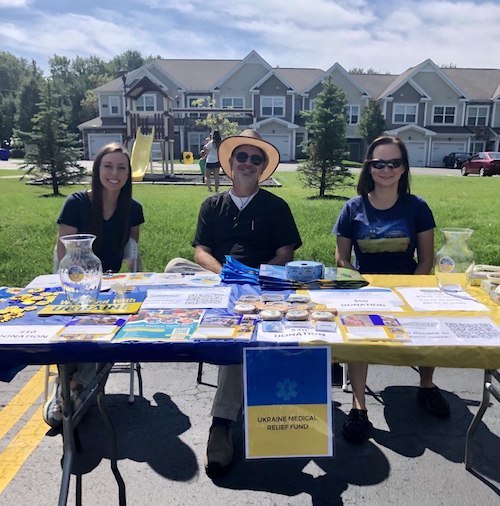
(455, 260)
(80, 269)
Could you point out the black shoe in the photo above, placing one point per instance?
(433, 401)
(357, 426)
(219, 450)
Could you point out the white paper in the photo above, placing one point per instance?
(297, 335)
(374, 300)
(433, 299)
(199, 280)
(46, 281)
(451, 331)
(184, 298)
(24, 334)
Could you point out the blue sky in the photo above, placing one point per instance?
(387, 35)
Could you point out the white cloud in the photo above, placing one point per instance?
(14, 3)
(387, 35)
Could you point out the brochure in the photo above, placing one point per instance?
(107, 303)
(371, 327)
(273, 277)
(161, 325)
(91, 328)
(219, 326)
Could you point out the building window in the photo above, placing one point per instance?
(443, 115)
(146, 103)
(312, 103)
(476, 147)
(404, 113)
(114, 106)
(196, 142)
(198, 102)
(352, 112)
(477, 115)
(233, 103)
(272, 106)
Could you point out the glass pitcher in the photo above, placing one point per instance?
(455, 260)
(80, 269)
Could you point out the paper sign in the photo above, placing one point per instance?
(202, 298)
(24, 334)
(288, 410)
(434, 299)
(373, 300)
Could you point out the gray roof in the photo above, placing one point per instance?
(299, 78)
(197, 75)
(479, 84)
(111, 86)
(374, 84)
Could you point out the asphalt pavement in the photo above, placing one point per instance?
(412, 458)
(282, 167)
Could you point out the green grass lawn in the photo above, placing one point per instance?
(28, 228)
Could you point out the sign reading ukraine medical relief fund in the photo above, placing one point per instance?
(288, 402)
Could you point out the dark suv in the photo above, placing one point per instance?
(455, 160)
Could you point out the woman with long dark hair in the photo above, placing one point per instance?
(391, 232)
(109, 212)
(212, 164)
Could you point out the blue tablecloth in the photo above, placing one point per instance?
(15, 357)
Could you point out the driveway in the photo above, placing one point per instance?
(282, 167)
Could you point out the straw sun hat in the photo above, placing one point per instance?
(248, 137)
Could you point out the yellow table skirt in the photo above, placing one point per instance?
(481, 357)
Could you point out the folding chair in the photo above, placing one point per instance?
(131, 256)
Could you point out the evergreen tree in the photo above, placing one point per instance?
(371, 123)
(326, 148)
(54, 154)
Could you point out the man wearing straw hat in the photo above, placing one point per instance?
(254, 226)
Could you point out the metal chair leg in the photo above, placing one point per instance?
(131, 396)
(488, 390)
(200, 372)
(345, 378)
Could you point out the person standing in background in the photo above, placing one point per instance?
(212, 164)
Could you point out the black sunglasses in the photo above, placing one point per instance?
(380, 164)
(242, 157)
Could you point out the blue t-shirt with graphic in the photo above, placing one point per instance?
(385, 240)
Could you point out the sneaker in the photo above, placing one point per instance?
(219, 450)
(52, 409)
(433, 401)
(357, 426)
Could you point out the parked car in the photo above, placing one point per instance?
(484, 163)
(455, 160)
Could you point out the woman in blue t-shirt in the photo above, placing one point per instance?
(109, 212)
(386, 225)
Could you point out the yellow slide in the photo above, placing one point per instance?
(141, 153)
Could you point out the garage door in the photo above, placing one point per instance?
(416, 153)
(96, 141)
(441, 149)
(282, 142)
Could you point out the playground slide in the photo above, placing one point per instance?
(141, 153)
